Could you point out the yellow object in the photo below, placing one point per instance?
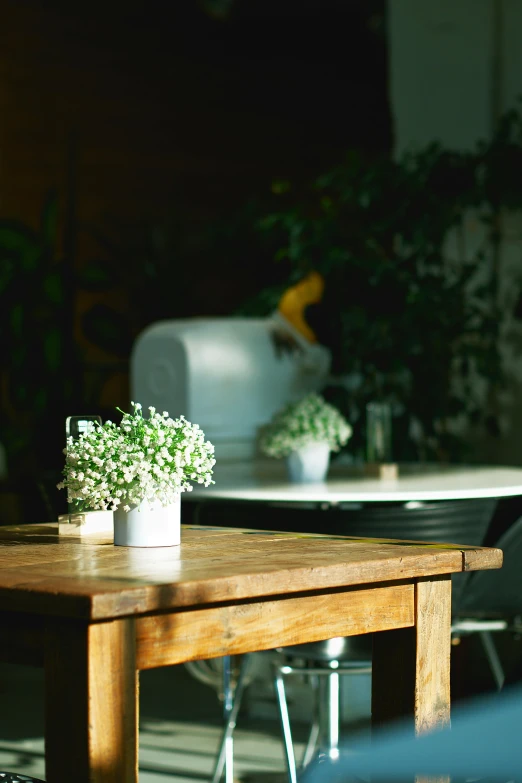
(296, 299)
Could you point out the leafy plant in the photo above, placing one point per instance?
(138, 459)
(43, 370)
(36, 328)
(411, 311)
(309, 420)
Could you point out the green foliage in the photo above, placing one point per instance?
(36, 334)
(410, 312)
(41, 376)
(109, 329)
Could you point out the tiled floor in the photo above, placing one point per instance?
(179, 730)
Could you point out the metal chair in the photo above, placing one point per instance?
(492, 601)
(459, 522)
(482, 744)
(232, 695)
(323, 663)
(14, 777)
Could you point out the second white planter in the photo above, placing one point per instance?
(309, 464)
(149, 524)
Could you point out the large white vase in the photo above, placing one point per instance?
(149, 524)
(309, 464)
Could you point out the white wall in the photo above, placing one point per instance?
(440, 70)
(511, 56)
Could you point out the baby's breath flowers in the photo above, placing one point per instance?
(299, 424)
(112, 466)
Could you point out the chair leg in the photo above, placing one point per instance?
(232, 703)
(329, 712)
(285, 724)
(315, 727)
(493, 658)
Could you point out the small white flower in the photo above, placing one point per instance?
(310, 420)
(114, 464)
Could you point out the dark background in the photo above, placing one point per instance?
(144, 132)
(139, 141)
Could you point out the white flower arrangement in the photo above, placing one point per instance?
(310, 420)
(139, 459)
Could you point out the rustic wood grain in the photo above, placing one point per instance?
(163, 640)
(481, 559)
(222, 591)
(411, 667)
(91, 710)
(44, 573)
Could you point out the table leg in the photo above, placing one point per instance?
(411, 666)
(91, 712)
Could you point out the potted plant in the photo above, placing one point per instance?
(421, 311)
(138, 469)
(305, 432)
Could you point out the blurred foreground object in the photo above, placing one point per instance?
(483, 742)
(297, 298)
(228, 374)
(379, 441)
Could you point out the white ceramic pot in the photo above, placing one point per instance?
(309, 464)
(149, 524)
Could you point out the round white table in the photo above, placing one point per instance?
(266, 482)
(463, 498)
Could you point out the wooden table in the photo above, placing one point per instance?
(94, 615)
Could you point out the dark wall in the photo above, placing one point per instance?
(175, 113)
(168, 102)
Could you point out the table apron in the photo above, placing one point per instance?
(231, 629)
(209, 632)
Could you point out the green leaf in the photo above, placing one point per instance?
(281, 186)
(97, 275)
(53, 349)
(17, 319)
(281, 254)
(53, 287)
(20, 242)
(107, 329)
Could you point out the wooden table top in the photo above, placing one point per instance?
(41, 573)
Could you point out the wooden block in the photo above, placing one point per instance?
(89, 523)
(389, 471)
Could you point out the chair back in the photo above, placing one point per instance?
(455, 522)
(498, 592)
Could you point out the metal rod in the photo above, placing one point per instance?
(367, 669)
(232, 703)
(314, 729)
(285, 725)
(493, 658)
